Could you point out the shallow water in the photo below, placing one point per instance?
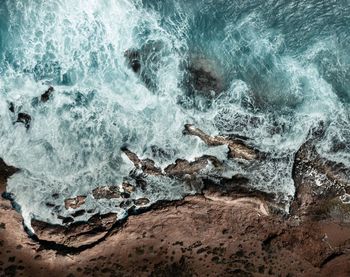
(285, 66)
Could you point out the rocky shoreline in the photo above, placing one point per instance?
(230, 230)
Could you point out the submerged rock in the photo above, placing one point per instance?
(146, 61)
(204, 77)
(11, 107)
(25, 119)
(133, 57)
(46, 95)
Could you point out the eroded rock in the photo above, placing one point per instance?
(184, 167)
(318, 181)
(147, 165)
(6, 170)
(128, 187)
(142, 202)
(75, 203)
(78, 234)
(106, 192)
(237, 148)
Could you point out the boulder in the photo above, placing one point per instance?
(25, 119)
(46, 95)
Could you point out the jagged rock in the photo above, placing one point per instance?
(184, 167)
(126, 204)
(318, 181)
(75, 203)
(78, 234)
(46, 95)
(147, 165)
(106, 192)
(128, 187)
(237, 148)
(6, 170)
(141, 202)
(25, 119)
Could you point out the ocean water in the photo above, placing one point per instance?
(285, 67)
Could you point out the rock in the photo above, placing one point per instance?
(141, 202)
(232, 235)
(146, 61)
(133, 57)
(6, 170)
(25, 119)
(78, 213)
(128, 187)
(106, 192)
(184, 167)
(78, 234)
(126, 204)
(12, 107)
(75, 203)
(158, 152)
(146, 165)
(125, 195)
(237, 148)
(46, 95)
(317, 180)
(204, 77)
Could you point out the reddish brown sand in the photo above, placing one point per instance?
(200, 236)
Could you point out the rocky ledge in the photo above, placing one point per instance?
(231, 231)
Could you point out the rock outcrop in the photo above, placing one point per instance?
(75, 235)
(237, 147)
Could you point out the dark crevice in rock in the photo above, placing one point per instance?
(64, 249)
(330, 258)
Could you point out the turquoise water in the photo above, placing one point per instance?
(285, 67)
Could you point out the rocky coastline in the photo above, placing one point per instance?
(227, 230)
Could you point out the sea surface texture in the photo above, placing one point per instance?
(283, 68)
